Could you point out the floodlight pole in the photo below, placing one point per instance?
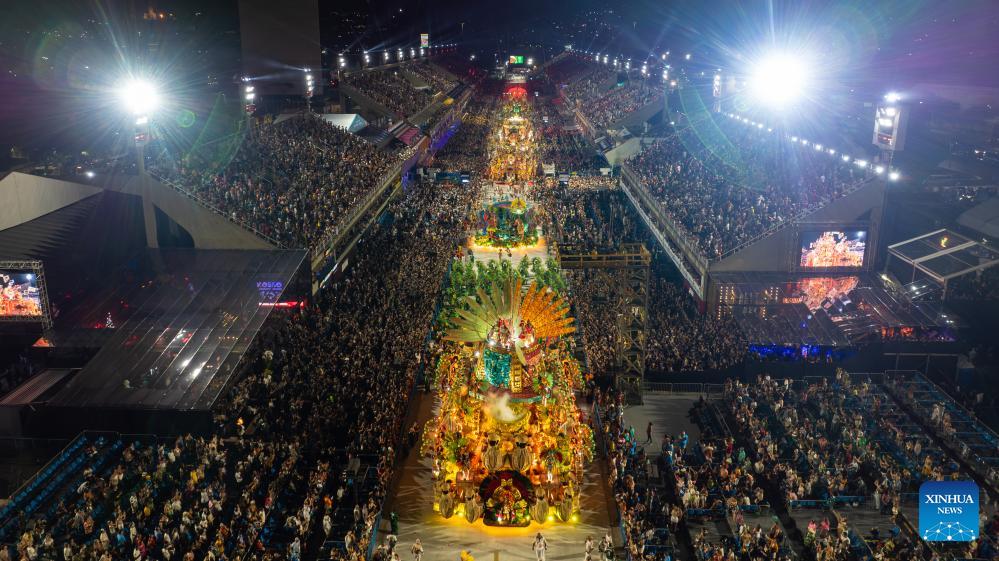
(141, 133)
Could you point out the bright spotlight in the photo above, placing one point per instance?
(139, 97)
(879, 170)
(892, 97)
(846, 158)
(861, 163)
(894, 175)
(778, 80)
(90, 174)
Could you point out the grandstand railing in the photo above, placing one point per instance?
(204, 203)
(630, 180)
(322, 250)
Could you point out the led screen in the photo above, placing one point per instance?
(833, 249)
(20, 296)
(516, 59)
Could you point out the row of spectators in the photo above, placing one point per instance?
(589, 84)
(567, 151)
(566, 69)
(294, 181)
(838, 442)
(619, 101)
(464, 150)
(392, 90)
(438, 80)
(681, 338)
(724, 183)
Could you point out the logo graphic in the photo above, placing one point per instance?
(948, 511)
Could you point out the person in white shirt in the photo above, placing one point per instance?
(540, 547)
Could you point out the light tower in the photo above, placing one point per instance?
(140, 100)
(309, 89)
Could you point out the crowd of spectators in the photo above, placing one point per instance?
(306, 441)
(589, 84)
(723, 186)
(464, 150)
(392, 90)
(651, 520)
(837, 442)
(567, 150)
(434, 77)
(681, 338)
(566, 69)
(293, 181)
(592, 215)
(619, 101)
(981, 286)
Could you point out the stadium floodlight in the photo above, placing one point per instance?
(892, 97)
(686, 56)
(832, 152)
(846, 158)
(794, 139)
(879, 170)
(139, 97)
(778, 79)
(893, 176)
(818, 147)
(861, 163)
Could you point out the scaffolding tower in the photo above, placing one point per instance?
(622, 275)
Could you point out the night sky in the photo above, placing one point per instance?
(896, 44)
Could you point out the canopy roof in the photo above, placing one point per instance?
(945, 254)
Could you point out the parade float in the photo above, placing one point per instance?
(509, 444)
(513, 146)
(506, 224)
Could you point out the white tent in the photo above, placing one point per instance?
(352, 122)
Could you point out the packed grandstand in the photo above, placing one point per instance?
(738, 453)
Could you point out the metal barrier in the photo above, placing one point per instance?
(683, 387)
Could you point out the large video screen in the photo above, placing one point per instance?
(833, 249)
(20, 297)
(516, 59)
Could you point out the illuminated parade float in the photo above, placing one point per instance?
(513, 147)
(508, 444)
(507, 223)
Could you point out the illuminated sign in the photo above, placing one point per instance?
(270, 291)
(516, 59)
(424, 40)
